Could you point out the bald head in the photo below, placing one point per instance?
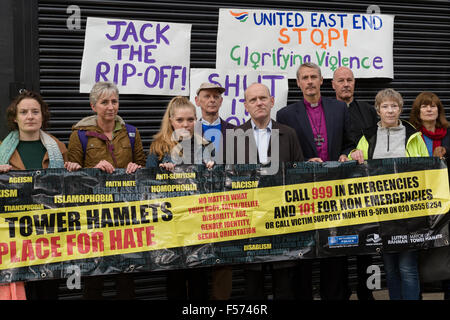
(344, 84)
(258, 103)
(254, 86)
(342, 70)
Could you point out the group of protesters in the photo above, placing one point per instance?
(315, 128)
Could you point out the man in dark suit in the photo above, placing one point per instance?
(266, 141)
(322, 124)
(363, 116)
(363, 120)
(213, 128)
(323, 129)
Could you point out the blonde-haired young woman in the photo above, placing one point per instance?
(177, 127)
(177, 143)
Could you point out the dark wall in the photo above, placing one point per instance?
(6, 59)
(421, 51)
(38, 51)
(19, 65)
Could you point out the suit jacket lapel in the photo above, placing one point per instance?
(224, 126)
(275, 125)
(328, 114)
(251, 141)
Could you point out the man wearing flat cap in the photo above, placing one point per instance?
(213, 128)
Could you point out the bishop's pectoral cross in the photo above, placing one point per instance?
(319, 139)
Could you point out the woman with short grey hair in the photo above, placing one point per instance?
(102, 88)
(394, 138)
(388, 94)
(104, 141)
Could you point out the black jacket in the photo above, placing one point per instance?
(363, 120)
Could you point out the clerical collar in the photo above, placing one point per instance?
(313, 105)
(215, 123)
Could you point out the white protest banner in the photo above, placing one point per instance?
(235, 82)
(141, 57)
(275, 40)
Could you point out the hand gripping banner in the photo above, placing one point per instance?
(104, 223)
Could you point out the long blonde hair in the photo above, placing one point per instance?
(163, 142)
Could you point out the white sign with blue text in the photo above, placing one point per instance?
(276, 40)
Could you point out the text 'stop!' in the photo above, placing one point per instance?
(273, 40)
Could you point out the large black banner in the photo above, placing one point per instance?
(104, 223)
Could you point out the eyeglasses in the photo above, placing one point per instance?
(389, 106)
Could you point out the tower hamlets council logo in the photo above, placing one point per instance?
(241, 16)
(373, 239)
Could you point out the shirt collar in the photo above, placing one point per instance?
(268, 128)
(309, 105)
(215, 123)
(118, 126)
(400, 126)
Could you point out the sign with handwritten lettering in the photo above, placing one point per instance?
(141, 57)
(275, 40)
(235, 83)
(194, 216)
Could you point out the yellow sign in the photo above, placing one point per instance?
(70, 233)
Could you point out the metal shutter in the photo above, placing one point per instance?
(421, 59)
(421, 51)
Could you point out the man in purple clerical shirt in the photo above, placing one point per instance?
(322, 125)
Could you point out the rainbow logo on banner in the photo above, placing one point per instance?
(241, 16)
